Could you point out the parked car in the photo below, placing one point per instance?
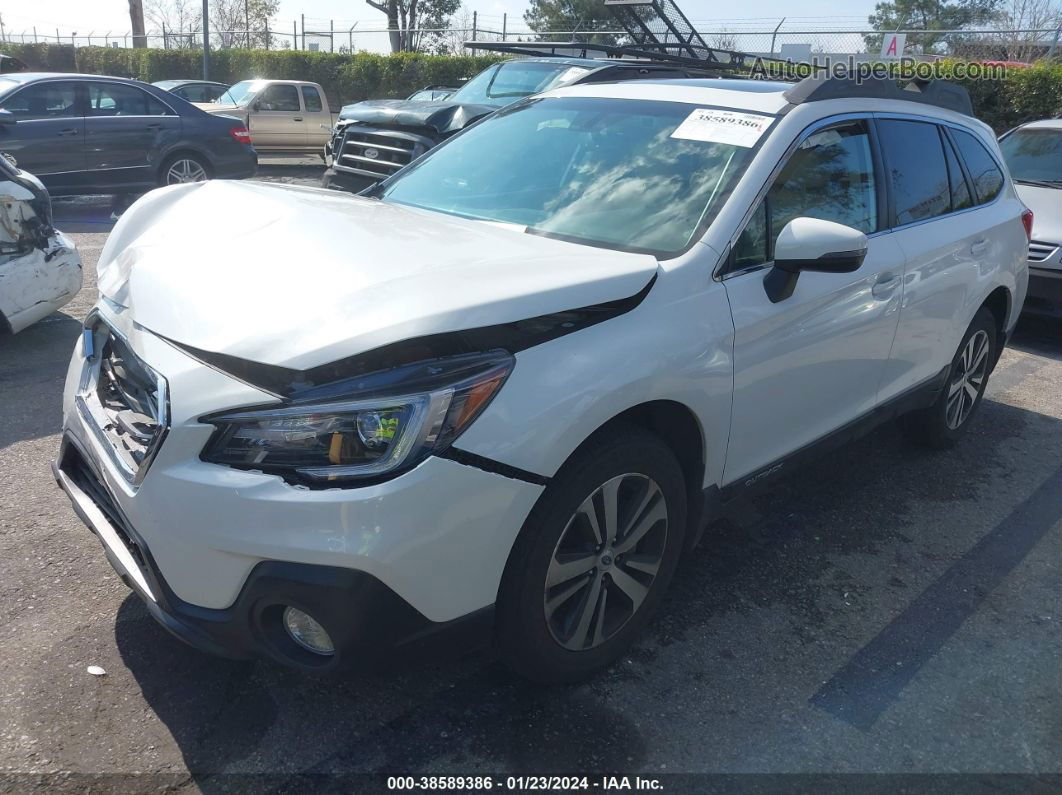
(194, 90)
(508, 388)
(9, 63)
(373, 139)
(1033, 153)
(90, 134)
(40, 269)
(433, 93)
(286, 116)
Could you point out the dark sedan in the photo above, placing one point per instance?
(91, 134)
(194, 90)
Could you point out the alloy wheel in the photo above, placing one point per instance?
(185, 170)
(968, 378)
(605, 561)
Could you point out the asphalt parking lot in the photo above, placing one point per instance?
(887, 610)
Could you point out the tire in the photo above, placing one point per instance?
(941, 425)
(583, 622)
(195, 168)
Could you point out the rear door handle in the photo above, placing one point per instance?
(979, 247)
(297, 118)
(69, 131)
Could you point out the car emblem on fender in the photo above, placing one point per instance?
(373, 153)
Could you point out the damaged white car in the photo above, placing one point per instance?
(40, 269)
(506, 390)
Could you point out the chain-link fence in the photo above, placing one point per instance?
(797, 40)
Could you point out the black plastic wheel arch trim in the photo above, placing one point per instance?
(292, 384)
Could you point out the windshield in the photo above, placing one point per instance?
(513, 80)
(1034, 155)
(606, 172)
(236, 94)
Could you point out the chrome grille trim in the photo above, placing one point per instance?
(394, 149)
(123, 400)
(1040, 251)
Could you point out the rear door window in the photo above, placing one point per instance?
(118, 99)
(918, 172)
(985, 174)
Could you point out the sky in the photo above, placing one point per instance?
(100, 16)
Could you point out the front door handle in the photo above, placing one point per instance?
(884, 286)
(69, 131)
(979, 247)
(297, 118)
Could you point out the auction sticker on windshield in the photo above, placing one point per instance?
(723, 127)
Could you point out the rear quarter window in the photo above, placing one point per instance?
(984, 172)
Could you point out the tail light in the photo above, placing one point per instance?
(240, 134)
(1027, 221)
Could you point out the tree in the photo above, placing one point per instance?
(406, 20)
(182, 20)
(1023, 15)
(570, 15)
(136, 21)
(928, 15)
(241, 23)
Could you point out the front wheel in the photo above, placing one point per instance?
(593, 559)
(941, 425)
(184, 168)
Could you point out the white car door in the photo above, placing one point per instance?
(277, 118)
(318, 120)
(812, 362)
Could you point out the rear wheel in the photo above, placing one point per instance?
(185, 167)
(942, 424)
(593, 559)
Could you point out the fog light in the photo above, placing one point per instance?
(307, 632)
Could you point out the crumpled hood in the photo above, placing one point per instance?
(300, 277)
(444, 117)
(1046, 204)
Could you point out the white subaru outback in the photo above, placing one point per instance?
(507, 390)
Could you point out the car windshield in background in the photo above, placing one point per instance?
(605, 172)
(513, 80)
(1034, 156)
(237, 93)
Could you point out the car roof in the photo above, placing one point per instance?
(1043, 124)
(29, 77)
(752, 95)
(161, 83)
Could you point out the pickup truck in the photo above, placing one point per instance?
(281, 115)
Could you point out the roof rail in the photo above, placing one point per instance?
(939, 93)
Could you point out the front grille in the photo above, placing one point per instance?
(123, 400)
(1039, 251)
(378, 152)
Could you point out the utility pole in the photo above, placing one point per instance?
(505, 20)
(475, 25)
(3, 33)
(206, 39)
(331, 35)
(294, 35)
(303, 30)
(247, 20)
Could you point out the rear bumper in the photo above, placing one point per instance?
(239, 164)
(1045, 292)
(368, 622)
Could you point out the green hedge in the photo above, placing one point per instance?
(1025, 94)
(345, 78)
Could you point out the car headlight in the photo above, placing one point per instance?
(387, 422)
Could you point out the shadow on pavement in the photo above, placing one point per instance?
(33, 367)
(88, 214)
(799, 547)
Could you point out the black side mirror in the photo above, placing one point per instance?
(811, 244)
(7, 117)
